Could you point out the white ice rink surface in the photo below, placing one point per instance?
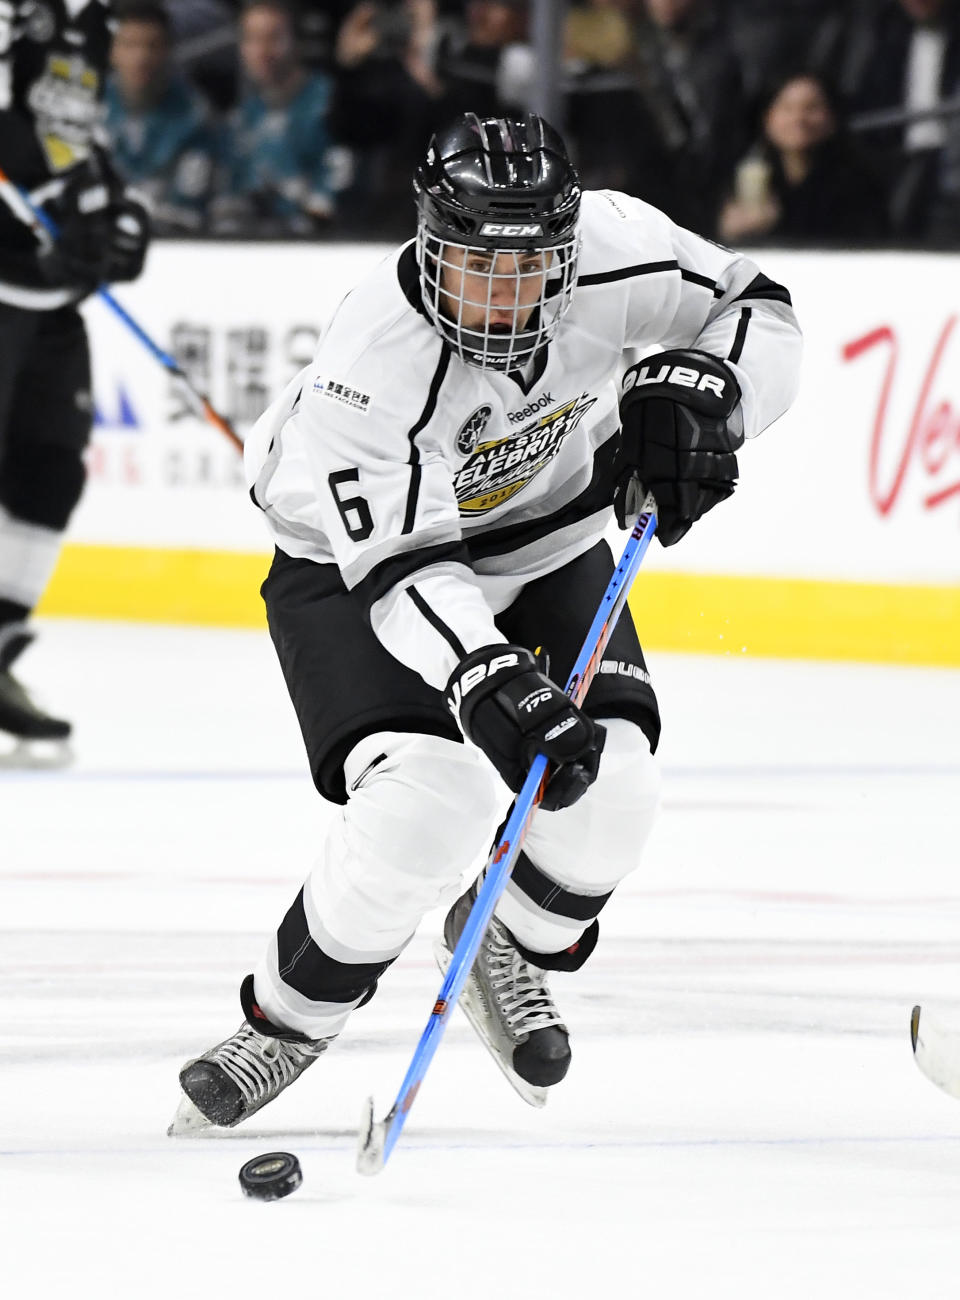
(743, 1117)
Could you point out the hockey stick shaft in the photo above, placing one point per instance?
(378, 1137)
(46, 232)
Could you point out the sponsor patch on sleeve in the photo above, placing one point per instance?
(343, 393)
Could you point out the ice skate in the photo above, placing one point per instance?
(31, 737)
(507, 1002)
(233, 1080)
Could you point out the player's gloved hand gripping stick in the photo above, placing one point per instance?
(377, 1138)
(46, 231)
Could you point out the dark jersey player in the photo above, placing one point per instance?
(437, 484)
(53, 60)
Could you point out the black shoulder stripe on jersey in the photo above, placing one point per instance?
(389, 572)
(626, 273)
(650, 268)
(704, 281)
(741, 334)
(425, 416)
(435, 621)
(761, 287)
(595, 496)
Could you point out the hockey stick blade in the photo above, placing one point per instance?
(377, 1138)
(371, 1146)
(936, 1050)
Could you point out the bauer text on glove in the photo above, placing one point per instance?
(513, 712)
(680, 420)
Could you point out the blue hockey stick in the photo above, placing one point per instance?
(45, 229)
(377, 1138)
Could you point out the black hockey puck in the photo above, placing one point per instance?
(271, 1176)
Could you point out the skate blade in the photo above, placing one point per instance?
(188, 1121)
(471, 1005)
(36, 755)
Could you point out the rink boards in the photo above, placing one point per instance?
(840, 543)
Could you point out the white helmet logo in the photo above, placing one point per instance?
(511, 231)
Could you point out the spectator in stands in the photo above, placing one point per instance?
(603, 106)
(487, 65)
(943, 225)
(804, 182)
(598, 34)
(901, 55)
(204, 34)
(163, 139)
(387, 104)
(689, 83)
(771, 37)
(275, 177)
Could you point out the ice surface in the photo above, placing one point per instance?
(742, 1119)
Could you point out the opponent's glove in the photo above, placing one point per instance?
(104, 229)
(675, 440)
(513, 712)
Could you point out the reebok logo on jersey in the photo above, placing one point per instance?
(343, 393)
(682, 376)
(518, 417)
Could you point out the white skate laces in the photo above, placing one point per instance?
(519, 988)
(262, 1066)
(506, 999)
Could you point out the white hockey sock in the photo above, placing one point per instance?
(28, 557)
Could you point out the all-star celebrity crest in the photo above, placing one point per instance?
(437, 484)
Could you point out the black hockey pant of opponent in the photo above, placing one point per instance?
(45, 422)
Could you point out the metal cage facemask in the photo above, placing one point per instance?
(496, 306)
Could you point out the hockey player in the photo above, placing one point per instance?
(437, 484)
(53, 59)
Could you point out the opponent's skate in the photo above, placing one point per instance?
(507, 1001)
(39, 739)
(233, 1080)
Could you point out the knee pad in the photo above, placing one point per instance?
(431, 801)
(599, 840)
(420, 813)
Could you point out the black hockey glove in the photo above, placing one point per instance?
(513, 712)
(104, 229)
(675, 440)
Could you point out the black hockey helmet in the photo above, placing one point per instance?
(501, 191)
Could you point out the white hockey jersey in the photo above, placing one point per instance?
(440, 489)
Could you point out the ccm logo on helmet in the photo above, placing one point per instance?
(511, 232)
(684, 376)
